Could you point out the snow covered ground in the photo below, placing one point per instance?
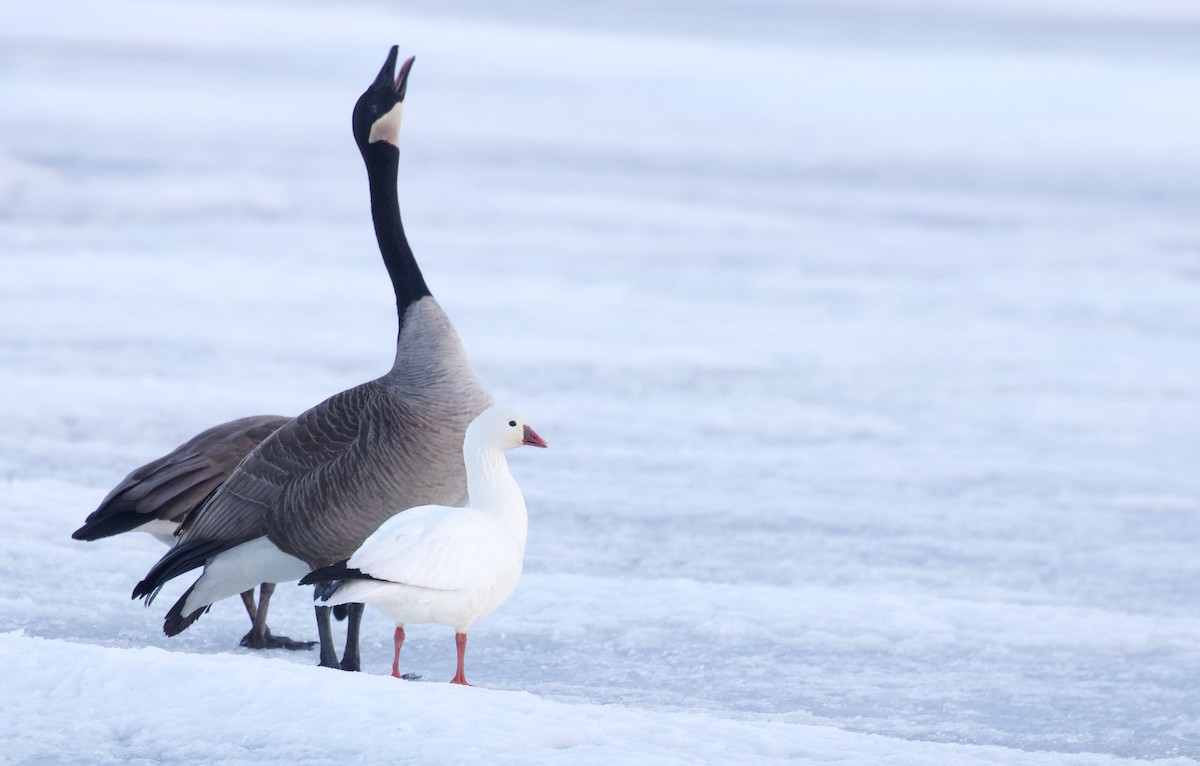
(866, 340)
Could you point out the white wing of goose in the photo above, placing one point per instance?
(437, 547)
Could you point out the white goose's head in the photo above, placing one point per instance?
(379, 109)
(502, 428)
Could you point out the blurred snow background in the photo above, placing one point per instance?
(866, 338)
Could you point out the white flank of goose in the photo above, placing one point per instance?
(157, 497)
(316, 488)
(444, 565)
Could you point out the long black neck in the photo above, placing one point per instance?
(382, 161)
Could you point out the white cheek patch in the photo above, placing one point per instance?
(387, 127)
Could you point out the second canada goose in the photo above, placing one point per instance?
(158, 497)
(326, 480)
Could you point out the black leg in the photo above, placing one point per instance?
(260, 636)
(260, 620)
(350, 659)
(328, 653)
(248, 602)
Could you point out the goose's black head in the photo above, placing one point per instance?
(377, 113)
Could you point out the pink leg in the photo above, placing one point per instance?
(399, 639)
(460, 640)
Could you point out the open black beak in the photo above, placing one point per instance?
(401, 86)
(532, 439)
(398, 83)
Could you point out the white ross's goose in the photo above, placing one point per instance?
(441, 564)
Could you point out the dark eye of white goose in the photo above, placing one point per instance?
(512, 423)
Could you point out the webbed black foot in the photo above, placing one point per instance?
(268, 641)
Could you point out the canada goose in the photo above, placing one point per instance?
(326, 480)
(444, 565)
(157, 497)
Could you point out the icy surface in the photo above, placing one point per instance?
(866, 340)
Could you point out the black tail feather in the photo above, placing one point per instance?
(113, 518)
(325, 590)
(180, 559)
(175, 622)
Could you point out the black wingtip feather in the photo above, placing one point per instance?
(115, 517)
(338, 571)
(180, 559)
(328, 579)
